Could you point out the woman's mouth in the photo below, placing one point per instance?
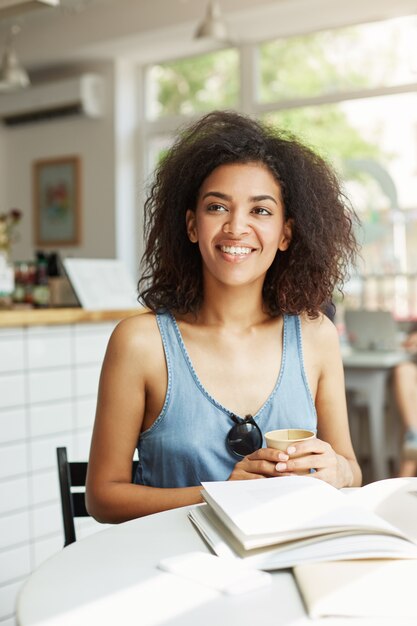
(236, 250)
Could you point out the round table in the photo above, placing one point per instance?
(111, 577)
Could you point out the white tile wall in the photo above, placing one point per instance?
(87, 345)
(61, 330)
(51, 418)
(47, 519)
(14, 529)
(82, 445)
(8, 598)
(12, 355)
(44, 548)
(14, 563)
(45, 486)
(14, 331)
(13, 460)
(14, 494)
(12, 425)
(44, 351)
(48, 386)
(86, 379)
(85, 410)
(98, 328)
(12, 390)
(43, 451)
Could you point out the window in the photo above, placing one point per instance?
(351, 94)
(194, 85)
(344, 59)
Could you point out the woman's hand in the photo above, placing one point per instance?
(260, 464)
(319, 456)
(300, 459)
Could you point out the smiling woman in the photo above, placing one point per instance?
(247, 236)
(239, 219)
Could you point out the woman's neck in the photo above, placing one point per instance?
(235, 307)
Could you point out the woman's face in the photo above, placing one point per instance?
(239, 223)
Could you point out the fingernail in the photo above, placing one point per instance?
(291, 450)
(280, 467)
(282, 456)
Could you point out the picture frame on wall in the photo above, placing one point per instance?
(56, 199)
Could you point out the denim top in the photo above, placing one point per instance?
(187, 442)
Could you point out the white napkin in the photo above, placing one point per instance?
(226, 575)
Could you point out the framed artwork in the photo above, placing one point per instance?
(56, 198)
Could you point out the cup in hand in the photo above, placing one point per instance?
(285, 437)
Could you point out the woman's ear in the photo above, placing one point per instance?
(286, 235)
(191, 226)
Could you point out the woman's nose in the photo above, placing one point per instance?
(236, 224)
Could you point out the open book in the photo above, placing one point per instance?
(281, 522)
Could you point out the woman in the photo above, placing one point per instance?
(247, 234)
(405, 390)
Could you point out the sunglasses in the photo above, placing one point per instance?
(244, 437)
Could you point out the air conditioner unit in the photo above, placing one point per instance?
(82, 95)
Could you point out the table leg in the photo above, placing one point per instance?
(372, 384)
(376, 408)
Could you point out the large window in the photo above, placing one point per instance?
(194, 85)
(351, 94)
(339, 60)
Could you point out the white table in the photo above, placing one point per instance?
(367, 372)
(111, 578)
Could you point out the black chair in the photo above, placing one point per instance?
(73, 501)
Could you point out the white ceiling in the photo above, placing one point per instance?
(147, 30)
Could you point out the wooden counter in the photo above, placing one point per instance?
(47, 317)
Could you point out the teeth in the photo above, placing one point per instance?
(235, 249)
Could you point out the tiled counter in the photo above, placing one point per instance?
(49, 368)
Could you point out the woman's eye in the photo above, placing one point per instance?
(214, 208)
(261, 211)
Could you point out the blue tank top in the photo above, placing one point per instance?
(187, 442)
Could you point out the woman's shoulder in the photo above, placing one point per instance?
(137, 332)
(319, 330)
(321, 343)
(144, 318)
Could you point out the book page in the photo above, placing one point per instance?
(394, 500)
(261, 512)
(330, 547)
(374, 588)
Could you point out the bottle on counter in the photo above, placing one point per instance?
(41, 294)
(6, 282)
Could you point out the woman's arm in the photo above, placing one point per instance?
(410, 343)
(134, 360)
(331, 454)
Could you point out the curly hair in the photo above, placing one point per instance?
(300, 279)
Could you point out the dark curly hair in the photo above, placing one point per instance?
(300, 279)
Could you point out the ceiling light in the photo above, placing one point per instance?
(10, 8)
(12, 75)
(213, 25)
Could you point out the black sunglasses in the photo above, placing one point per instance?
(244, 437)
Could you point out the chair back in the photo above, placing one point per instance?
(73, 475)
(72, 503)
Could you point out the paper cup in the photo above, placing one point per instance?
(283, 438)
